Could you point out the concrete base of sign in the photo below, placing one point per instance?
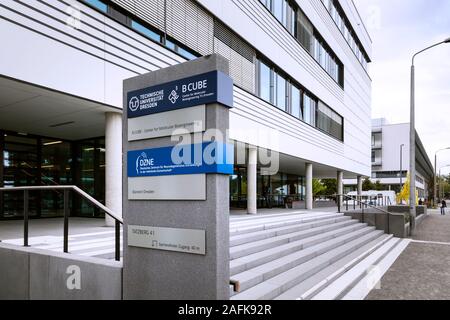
(167, 275)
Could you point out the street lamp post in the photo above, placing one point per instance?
(435, 180)
(401, 165)
(412, 144)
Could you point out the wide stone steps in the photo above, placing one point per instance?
(307, 256)
(254, 223)
(339, 287)
(279, 231)
(96, 244)
(270, 282)
(253, 260)
(314, 284)
(260, 245)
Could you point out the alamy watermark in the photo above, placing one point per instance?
(73, 281)
(267, 159)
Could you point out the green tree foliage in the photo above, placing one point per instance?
(378, 186)
(368, 185)
(330, 186)
(318, 187)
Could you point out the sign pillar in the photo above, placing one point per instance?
(176, 188)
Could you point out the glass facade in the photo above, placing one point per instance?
(284, 93)
(27, 160)
(142, 27)
(272, 191)
(337, 14)
(295, 21)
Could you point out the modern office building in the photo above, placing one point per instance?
(299, 70)
(390, 158)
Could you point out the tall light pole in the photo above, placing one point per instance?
(435, 169)
(401, 165)
(412, 137)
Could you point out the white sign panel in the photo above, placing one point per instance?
(168, 239)
(177, 187)
(164, 124)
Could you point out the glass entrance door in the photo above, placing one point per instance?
(27, 160)
(20, 168)
(56, 161)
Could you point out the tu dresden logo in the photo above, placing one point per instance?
(134, 104)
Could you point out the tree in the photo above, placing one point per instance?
(403, 196)
(378, 186)
(330, 186)
(367, 185)
(318, 187)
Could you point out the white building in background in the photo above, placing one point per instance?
(390, 158)
(299, 68)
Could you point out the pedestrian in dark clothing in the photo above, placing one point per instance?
(443, 206)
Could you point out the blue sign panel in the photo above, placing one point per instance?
(209, 157)
(210, 87)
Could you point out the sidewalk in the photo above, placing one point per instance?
(422, 272)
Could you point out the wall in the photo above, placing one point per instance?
(33, 274)
(393, 137)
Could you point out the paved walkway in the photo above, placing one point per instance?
(422, 272)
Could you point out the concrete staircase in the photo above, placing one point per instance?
(307, 256)
(95, 244)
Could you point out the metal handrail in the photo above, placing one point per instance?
(366, 205)
(118, 220)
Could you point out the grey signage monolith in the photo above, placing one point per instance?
(175, 199)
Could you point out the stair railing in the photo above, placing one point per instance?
(362, 204)
(66, 189)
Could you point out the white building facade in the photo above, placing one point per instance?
(299, 69)
(390, 158)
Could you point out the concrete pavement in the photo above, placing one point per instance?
(422, 272)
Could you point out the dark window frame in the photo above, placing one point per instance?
(341, 81)
(290, 81)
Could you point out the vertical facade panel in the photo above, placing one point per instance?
(189, 24)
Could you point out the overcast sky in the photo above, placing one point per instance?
(398, 29)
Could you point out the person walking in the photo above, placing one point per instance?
(443, 206)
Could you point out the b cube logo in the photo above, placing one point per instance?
(173, 97)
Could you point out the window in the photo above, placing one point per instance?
(296, 110)
(277, 9)
(284, 93)
(180, 50)
(343, 24)
(305, 33)
(297, 24)
(98, 5)
(309, 109)
(264, 82)
(146, 31)
(329, 121)
(373, 156)
(280, 100)
(373, 140)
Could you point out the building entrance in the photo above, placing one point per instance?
(27, 160)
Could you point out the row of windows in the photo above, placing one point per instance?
(281, 91)
(293, 19)
(273, 86)
(145, 30)
(388, 174)
(338, 15)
